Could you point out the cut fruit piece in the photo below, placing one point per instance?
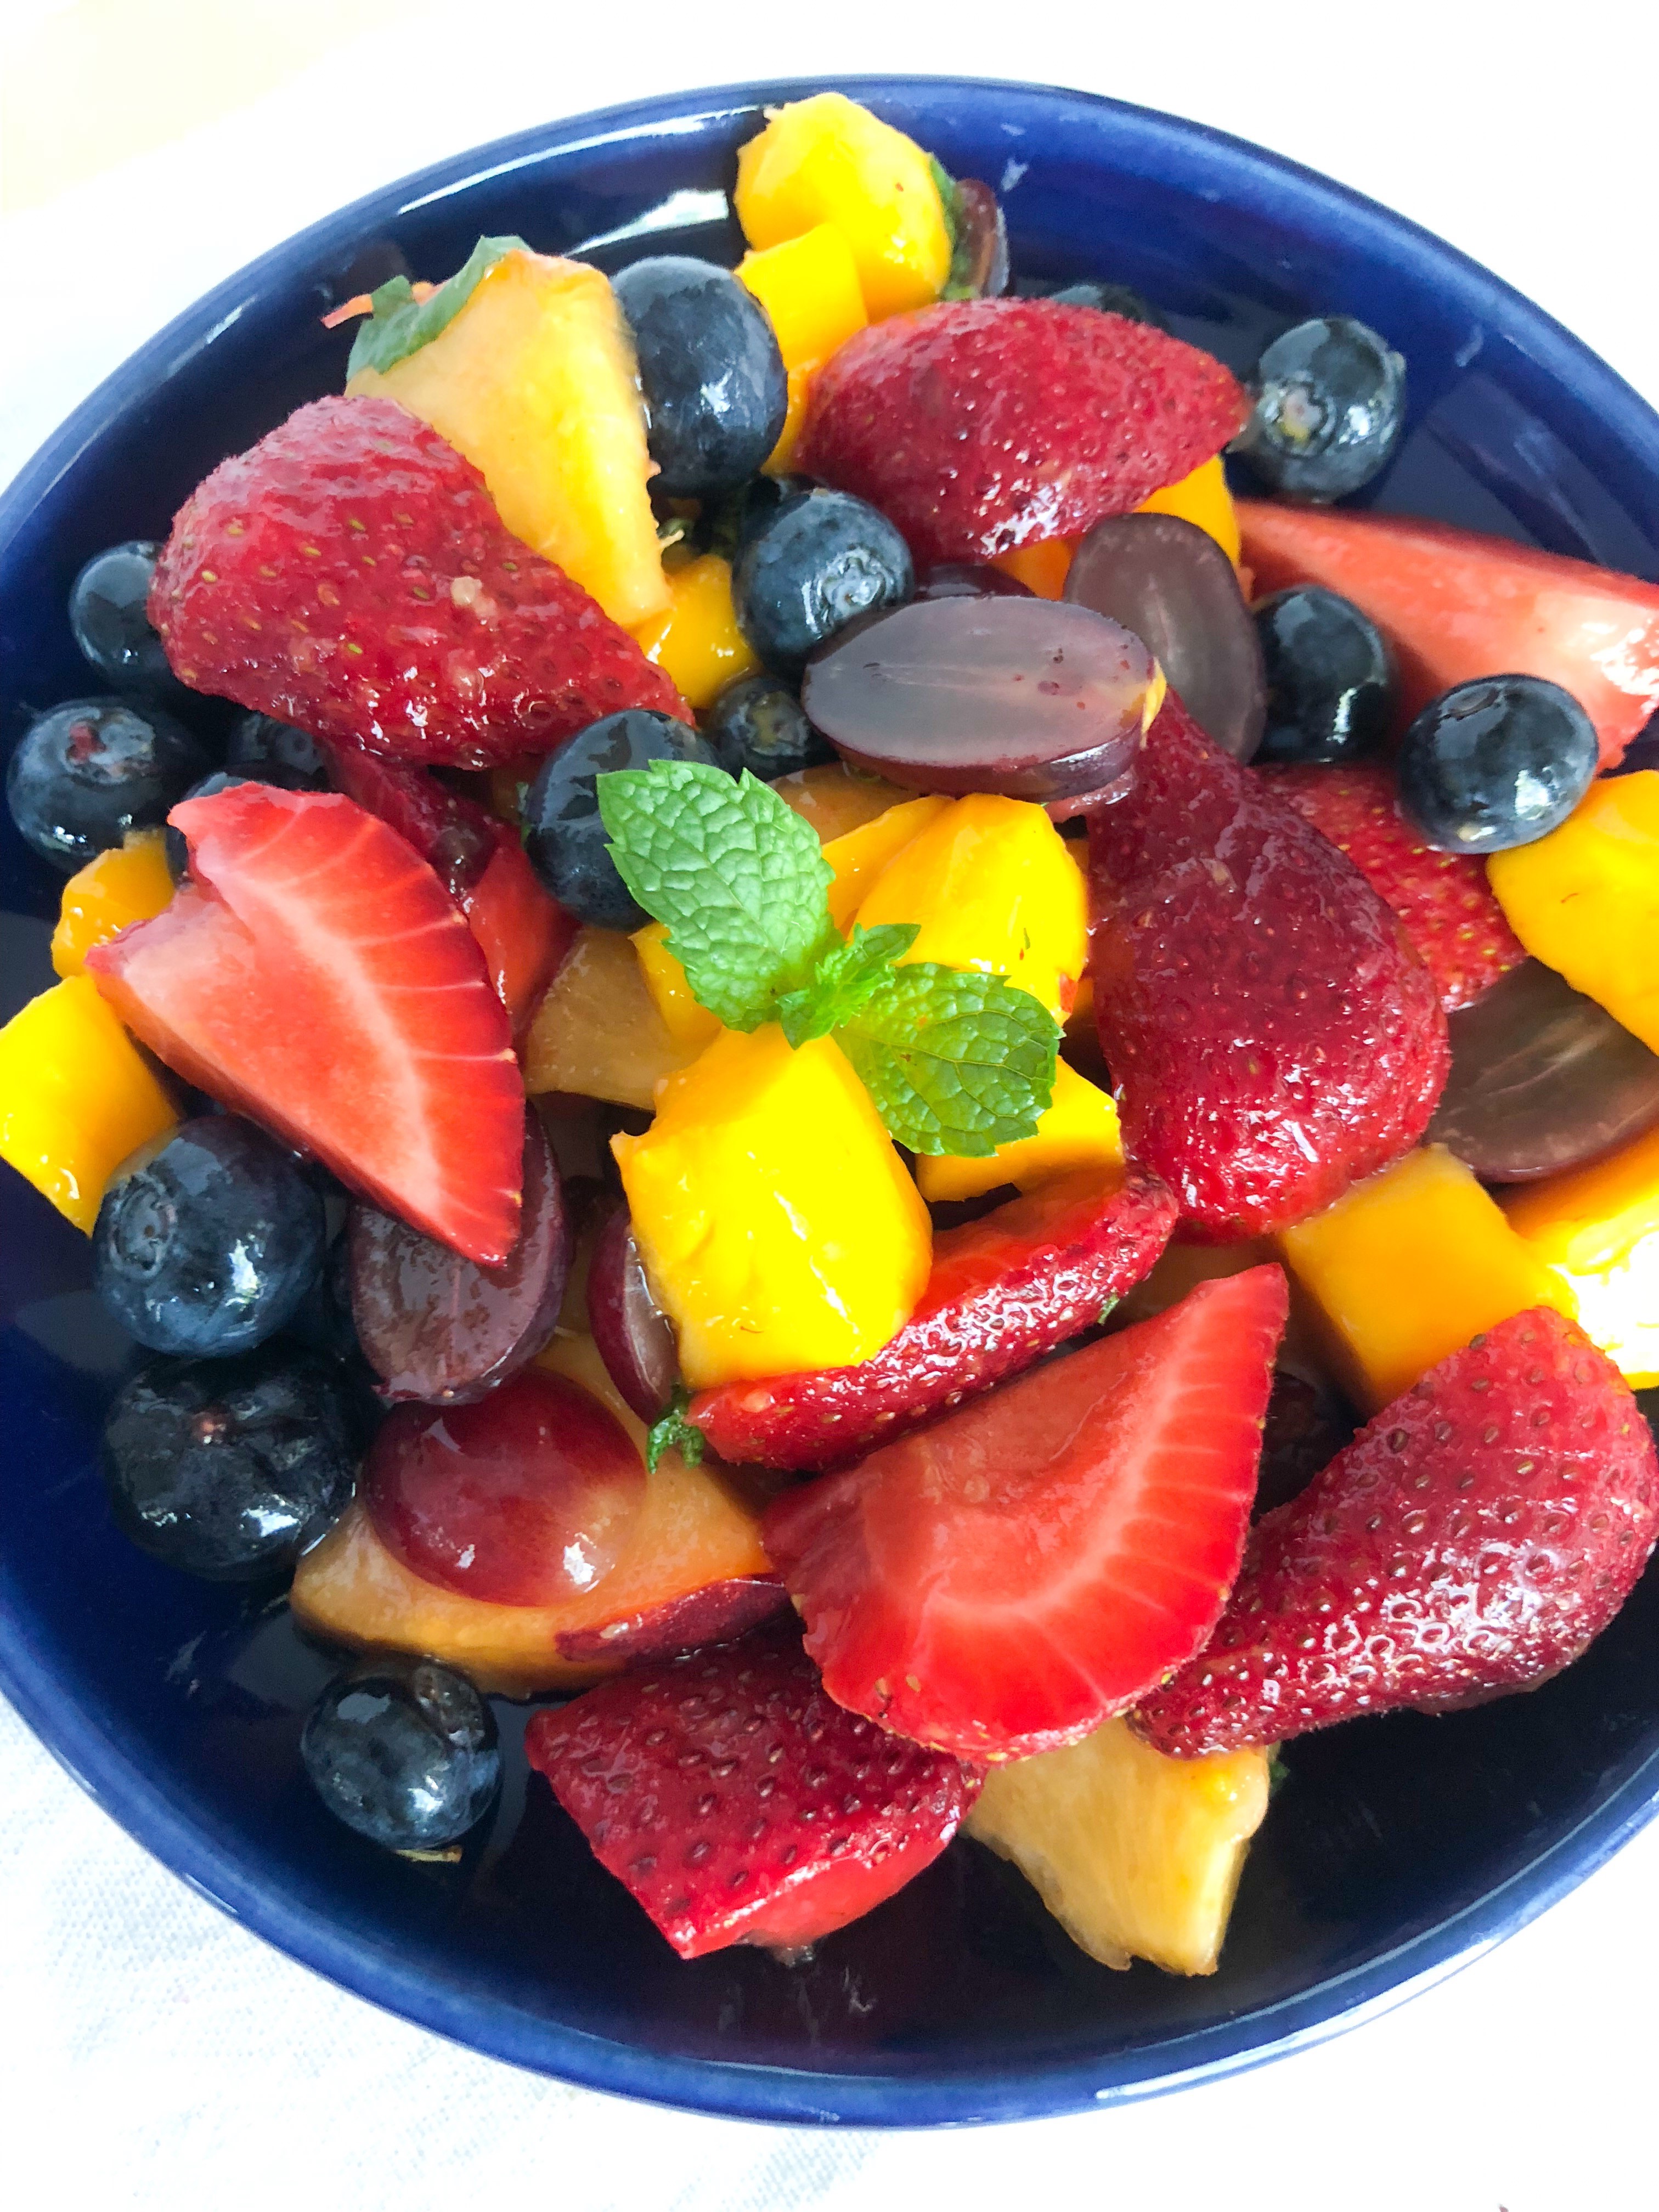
(315, 974)
(1407, 1269)
(597, 1032)
(809, 287)
(1455, 605)
(1597, 1229)
(1001, 1582)
(835, 800)
(1079, 1130)
(1137, 1856)
(1201, 497)
(859, 857)
(632, 1332)
(129, 883)
(1182, 1267)
(695, 640)
(737, 1805)
(534, 380)
(687, 1020)
(778, 1226)
(1585, 899)
(76, 1097)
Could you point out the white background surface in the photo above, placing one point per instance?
(151, 2053)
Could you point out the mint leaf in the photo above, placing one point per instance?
(957, 1061)
(401, 325)
(845, 979)
(737, 877)
(672, 1431)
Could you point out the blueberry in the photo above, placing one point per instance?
(1330, 677)
(106, 612)
(715, 390)
(276, 752)
(403, 1751)
(1111, 300)
(1496, 763)
(212, 1244)
(759, 724)
(87, 772)
(231, 1468)
(819, 561)
(1330, 404)
(563, 834)
(743, 511)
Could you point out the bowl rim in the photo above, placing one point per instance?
(201, 1850)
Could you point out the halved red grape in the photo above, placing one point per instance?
(1025, 696)
(984, 238)
(1541, 1079)
(1171, 583)
(439, 1327)
(528, 1497)
(633, 1334)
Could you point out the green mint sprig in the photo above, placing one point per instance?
(399, 325)
(955, 1061)
(672, 1431)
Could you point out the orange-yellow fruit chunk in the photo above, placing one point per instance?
(695, 639)
(1079, 1130)
(76, 1097)
(809, 287)
(129, 882)
(689, 1022)
(598, 1032)
(1202, 498)
(1407, 1267)
(1598, 1228)
(535, 382)
(776, 1222)
(836, 800)
(859, 856)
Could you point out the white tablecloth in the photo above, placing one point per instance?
(152, 2053)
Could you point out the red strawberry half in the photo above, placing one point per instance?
(1001, 1582)
(1473, 1538)
(985, 424)
(1003, 1290)
(314, 973)
(737, 1804)
(522, 932)
(350, 573)
(1272, 1035)
(1455, 605)
(1455, 924)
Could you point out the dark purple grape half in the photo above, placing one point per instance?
(439, 1328)
(984, 238)
(1542, 1079)
(1171, 583)
(630, 1329)
(1024, 697)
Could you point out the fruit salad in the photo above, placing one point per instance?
(877, 1065)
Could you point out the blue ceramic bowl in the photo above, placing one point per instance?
(1398, 1849)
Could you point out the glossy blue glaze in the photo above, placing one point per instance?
(1398, 1849)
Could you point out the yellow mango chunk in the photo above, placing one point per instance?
(809, 287)
(1202, 498)
(1598, 1228)
(695, 639)
(129, 882)
(776, 1222)
(860, 856)
(1079, 1130)
(1137, 1854)
(76, 1097)
(1407, 1267)
(535, 382)
(597, 1032)
(994, 887)
(689, 1022)
(834, 799)
(1585, 899)
(828, 161)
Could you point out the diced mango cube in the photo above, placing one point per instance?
(834, 799)
(1042, 567)
(129, 882)
(695, 639)
(76, 1097)
(688, 1021)
(1202, 498)
(1407, 1267)
(859, 856)
(1137, 1854)
(1585, 899)
(809, 287)
(1598, 1228)
(597, 1032)
(776, 1222)
(1079, 1130)
(993, 886)
(827, 161)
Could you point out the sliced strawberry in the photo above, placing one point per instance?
(1473, 1538)
(350, 573)
(1454, 605)
(1272, 1035)
(1454, 923)
(1003, 1290)
(523, 932)
(737, 1805)
(1001, 1582)
(314, 973)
